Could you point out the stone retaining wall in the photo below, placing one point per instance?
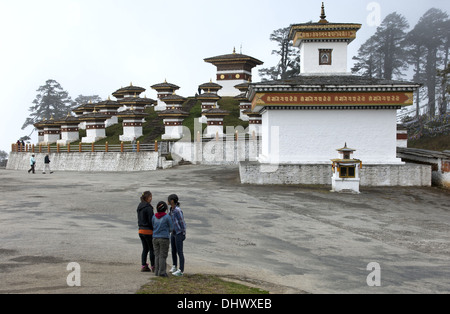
(371, 175)
(87, 161)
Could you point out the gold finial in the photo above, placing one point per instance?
(132, 108)
(51, 117)
(165, 80)
(109, 98)
(322, 15)
(95, 110)
(210, 80)
(234, 50)
(131, 83)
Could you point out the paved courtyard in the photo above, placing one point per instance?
(287, 239)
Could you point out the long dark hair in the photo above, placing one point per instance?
(145, 195)
(173, 197)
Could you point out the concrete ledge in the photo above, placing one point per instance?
(371, 175)
(88, 161)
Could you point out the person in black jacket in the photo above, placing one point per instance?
(47, 164)
(145, 215)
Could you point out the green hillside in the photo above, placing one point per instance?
(153, 128)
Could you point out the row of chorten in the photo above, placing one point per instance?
(130, 106)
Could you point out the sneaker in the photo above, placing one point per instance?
(173, 269)
(178, 273)
(145, 268)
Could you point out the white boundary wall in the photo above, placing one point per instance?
(87, 161)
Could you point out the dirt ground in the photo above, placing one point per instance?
(286, 239)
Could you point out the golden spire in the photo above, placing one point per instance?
(322, 15)
(234, 50)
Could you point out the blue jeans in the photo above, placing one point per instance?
(176, 241)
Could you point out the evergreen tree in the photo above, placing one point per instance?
(51, 101)
(382, 55)
(432, 33)
(81, 100)
(289, 64)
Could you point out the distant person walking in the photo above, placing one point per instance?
(162, 226)
(47, 164)
(32, 163)
(178, 235)
(145, 215)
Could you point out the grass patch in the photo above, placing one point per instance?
(196, 284)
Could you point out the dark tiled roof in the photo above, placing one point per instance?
(69, 119)
(173, 112)
(165, 85)
(210, 85)
(216, 112)
(233, 57)
(107, 104)
(94, 116)
(136, 101)
(129, 90)
(131, 114)
(208, 96)
(174, 98)
(243, 86)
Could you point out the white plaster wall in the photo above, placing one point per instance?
(222, 152)
(130, 132)
(312, 136)
(172, 132)
(68, 137)
(309, 61)
(93, 135)
(88, 161)
(228, 88)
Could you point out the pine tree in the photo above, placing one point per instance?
(51, 101)
(431, 32)
(289, 64)
(382, 55)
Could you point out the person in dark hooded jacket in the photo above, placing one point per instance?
(145, 214)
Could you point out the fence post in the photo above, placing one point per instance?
(93, 148)
(32, 148)
(57, 148)
(68, 147)
(80, 147)
(121, 147)
(106, 147)
(40, 148)
(138, 146)
(156, 145)
(48, 148)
